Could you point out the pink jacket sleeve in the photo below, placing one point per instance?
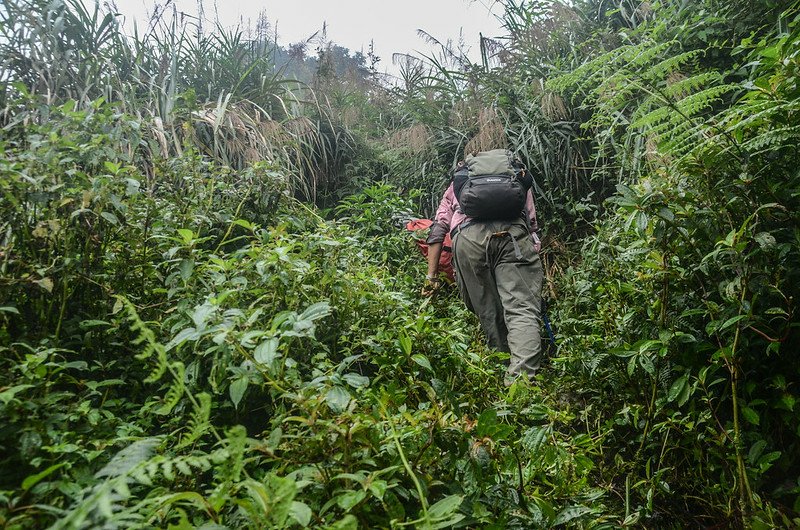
(444, 216)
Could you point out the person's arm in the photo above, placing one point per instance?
(432, 279)
(441, 225)
(434, 253)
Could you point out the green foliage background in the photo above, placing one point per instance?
(209, 304)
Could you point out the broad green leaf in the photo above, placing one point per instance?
(569, 513)
(445, 507)
(201, 314)
(182, 336)
(110, 217)
(486, 422)
(244, 224)
(641, 221)
(316, 311)
(647, 364)
(186, 234)
(46, 284)
(337, 398)
(237, 390)
(765, 462)
(185, 268)
(631, 366)
(422, 361)
(128, 458)
(8, 394)
(267, 351)
(32, 480)
(677, 388)
(756, 451)
(751, 415)
(301, 513)
(729, 239)
(405, 343)
(731, 321)
(86, 324)
(356, 380)
(685, 395)
(378, 488)
(349, 500)
(534, 437)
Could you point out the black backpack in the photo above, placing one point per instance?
(492, 185)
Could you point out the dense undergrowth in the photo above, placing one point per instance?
(210, 309)
(211, 351)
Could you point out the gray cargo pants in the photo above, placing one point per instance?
(499, 276)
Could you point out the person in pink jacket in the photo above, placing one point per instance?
(499, 277)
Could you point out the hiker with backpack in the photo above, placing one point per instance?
(488, 211)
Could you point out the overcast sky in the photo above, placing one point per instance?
(392, 25)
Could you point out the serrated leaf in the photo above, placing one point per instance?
(281, 492)
(267, 351)
(185, 268)
(316, 311)
(356, 380)
(337, 398)
(534, 437)
(183, 467)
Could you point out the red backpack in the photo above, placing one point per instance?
(419, 227)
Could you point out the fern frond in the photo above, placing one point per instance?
(199, 423)
(637, 57)
(176, 388)
(679, 89)
(146, 336)
(773, 138)
(670, 65)
(697, 102)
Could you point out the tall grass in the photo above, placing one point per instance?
(217, 92)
